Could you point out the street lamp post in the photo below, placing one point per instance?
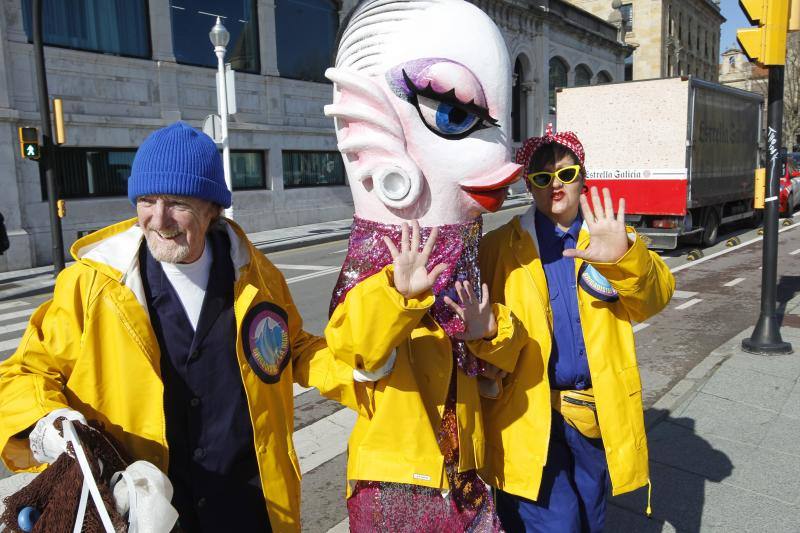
(219, 38)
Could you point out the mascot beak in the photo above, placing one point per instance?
(490, 191)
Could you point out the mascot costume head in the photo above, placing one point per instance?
(420, 106)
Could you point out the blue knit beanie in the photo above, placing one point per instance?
(179, 160)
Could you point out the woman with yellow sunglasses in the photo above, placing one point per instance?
(569, 418)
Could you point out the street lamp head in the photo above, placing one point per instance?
(219, 35)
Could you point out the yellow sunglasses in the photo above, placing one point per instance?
(543, 179)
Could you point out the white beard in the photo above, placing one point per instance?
(165, 252)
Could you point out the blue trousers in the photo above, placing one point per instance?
(572, 497)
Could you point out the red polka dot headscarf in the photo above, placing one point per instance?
(567, 139)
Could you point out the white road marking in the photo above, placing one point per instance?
(16, 314)
(795, 252)
(683, 295)
(304, 267)
(337, 252)
(688, 304)
(9, 344)
(297, 390)
(341, 527)
(640, 327)
(733, 282)
(323, 440)
(304, 277)
(12, 304)
(19, 326)
(727, 250)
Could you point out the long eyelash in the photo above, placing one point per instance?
(450, 97)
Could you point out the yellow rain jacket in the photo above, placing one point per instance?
(399, 413)
(92, 348)
(518, 422)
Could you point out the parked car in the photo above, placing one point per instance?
(790, 188)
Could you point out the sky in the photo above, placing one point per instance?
(735, 19)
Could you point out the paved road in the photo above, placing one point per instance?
(717, 297)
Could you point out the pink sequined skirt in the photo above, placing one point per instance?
(401, 508)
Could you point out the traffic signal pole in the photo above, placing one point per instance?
(47, 140)
(766, 337)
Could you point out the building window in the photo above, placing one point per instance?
(118, 27)
(626, 10)
(193, 19)
(629, 66)
(557, 78)
(312, 169)
(583, 76)
(247, 170)
(732, 62)
(305, 32)
(671, 21)
(90, 172)
(516, 102)
(604, 77)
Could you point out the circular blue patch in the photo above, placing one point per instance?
(265, 338)
(596, 284)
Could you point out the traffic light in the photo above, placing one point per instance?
(767, 43)
(29, 143)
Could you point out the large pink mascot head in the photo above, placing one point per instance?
(420, 104)
(421, 93)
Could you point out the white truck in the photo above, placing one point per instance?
(681, 151)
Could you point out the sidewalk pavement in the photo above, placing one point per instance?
(725, 445)
(31, 281)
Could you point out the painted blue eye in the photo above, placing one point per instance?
(446, 119)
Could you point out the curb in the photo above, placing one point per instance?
(277, 245)
(339, 235)
(688, 387)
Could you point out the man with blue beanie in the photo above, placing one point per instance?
(181, 339)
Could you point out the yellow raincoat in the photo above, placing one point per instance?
(92, 348)
(518, 421)
(394, 438)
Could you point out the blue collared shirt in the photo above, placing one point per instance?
(568, 367)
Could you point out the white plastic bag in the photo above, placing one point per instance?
(143, 492)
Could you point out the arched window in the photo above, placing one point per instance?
(517, 102)
(305, 31)
(629, 66)
(604, 77)
(583, 76)
(557, 78)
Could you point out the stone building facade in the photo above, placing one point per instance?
(737, 71)
(285, 165)
(671, 37)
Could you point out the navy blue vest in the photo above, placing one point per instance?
(212, 460)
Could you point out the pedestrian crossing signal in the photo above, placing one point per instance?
(29, 143)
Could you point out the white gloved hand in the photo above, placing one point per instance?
(47, 443)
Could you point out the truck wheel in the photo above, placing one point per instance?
(711, 228)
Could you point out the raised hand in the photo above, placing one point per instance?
(609, 240)
(411, 277)
(478, 317)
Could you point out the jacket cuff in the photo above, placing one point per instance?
(423, 300)
(503, 349)
(625, 273)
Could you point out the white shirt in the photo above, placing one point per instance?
(190, 281)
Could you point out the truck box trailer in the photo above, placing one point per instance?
(681, 151)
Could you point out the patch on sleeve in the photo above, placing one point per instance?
(596, 284)
(265, 338)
